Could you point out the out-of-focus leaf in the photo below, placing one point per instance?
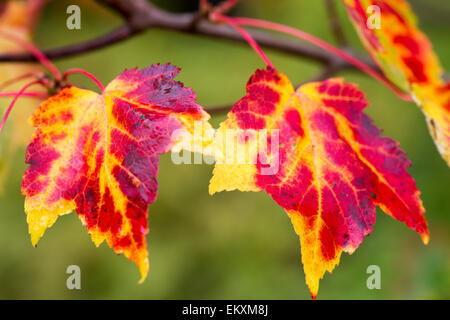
(15, 18)
(406, 56)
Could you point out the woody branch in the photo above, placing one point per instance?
(140, 16)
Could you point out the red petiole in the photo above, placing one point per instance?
(231, 21)
(242, 21)
(84, 72)
(13, 102)
(225, 6)
(34, 51)
(24, 94)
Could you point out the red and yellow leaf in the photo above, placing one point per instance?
(406, 56)
(331, 167)
(15, 17)
(98, 154)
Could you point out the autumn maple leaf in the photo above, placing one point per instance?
(98, 154)
(331, 166)
(406, 56)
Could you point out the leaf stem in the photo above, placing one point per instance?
(34, 51)
(86, 73)
(217, 17)
(335, 24)
(13, 102)
(24, 94)
(324, 45)
(11, 81)
(34, 12)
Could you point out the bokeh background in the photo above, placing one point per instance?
(232, 245)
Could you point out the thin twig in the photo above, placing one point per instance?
(323, 74)
(219, 109)
(335, 24)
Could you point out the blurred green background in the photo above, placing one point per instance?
(231, 245)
